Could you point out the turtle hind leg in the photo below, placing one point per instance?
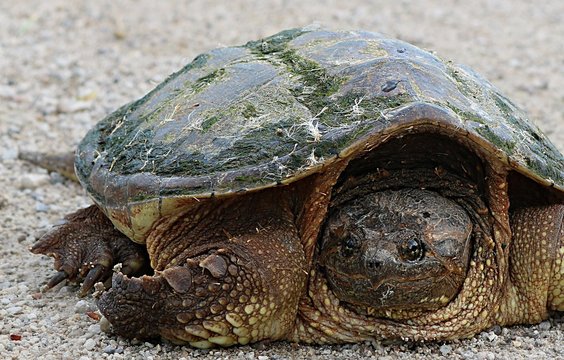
(86, 246)
(59, 163)
(556, 286)
(536, 264)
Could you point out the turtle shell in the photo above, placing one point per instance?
(275, 110)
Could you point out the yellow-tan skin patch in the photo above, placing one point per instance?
(556, 288)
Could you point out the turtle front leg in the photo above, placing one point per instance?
(536, 265)
(243, 289)
(87, 246)
(240, 288)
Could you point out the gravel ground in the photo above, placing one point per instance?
(67, 64)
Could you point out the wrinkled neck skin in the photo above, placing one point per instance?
(324, 318)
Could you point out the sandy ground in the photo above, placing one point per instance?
(64, 65)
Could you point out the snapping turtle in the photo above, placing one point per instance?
(319, 187)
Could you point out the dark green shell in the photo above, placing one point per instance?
(274, 110)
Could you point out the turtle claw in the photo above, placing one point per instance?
(56, 279)
(97, 273)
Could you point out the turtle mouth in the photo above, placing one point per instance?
(428, 292)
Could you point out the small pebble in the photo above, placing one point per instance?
(41, 207)
(90, 344)
(445, 349)
(33, 181)
(71, 106)
(104, 324)
(14, 310)
(490, 335)
(81, 307)
(496, 329)
(545, 326)
(9, 154)
(56, 178)
(94, 329)
(7, 92)
(110, 349)
(485, 355)
(516, 343)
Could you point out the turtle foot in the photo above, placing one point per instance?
(176, 303)
(139, 307)
(86, 246)
(206, 302)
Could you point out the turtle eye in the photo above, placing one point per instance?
(411, 250)
(349, 246)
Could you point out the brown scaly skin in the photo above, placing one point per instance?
(225, 275)
(537, 261)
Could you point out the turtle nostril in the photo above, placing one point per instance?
(373, 263)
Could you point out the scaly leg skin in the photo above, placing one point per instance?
(536, 265)
(242, 284)
(87, 246)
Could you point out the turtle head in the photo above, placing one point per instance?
(405, 249)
